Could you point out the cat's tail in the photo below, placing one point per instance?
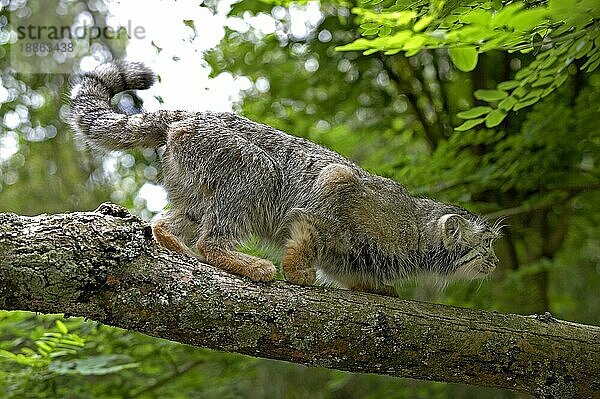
(93, 118)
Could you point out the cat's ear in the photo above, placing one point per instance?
(454, 229)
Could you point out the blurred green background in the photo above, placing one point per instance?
(393, 115)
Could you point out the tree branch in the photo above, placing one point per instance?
(570, 193)
(405, 85)
(104, 265)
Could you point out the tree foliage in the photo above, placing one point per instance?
(492, 105)
(558, 33)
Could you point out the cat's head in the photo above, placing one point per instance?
(469, 241)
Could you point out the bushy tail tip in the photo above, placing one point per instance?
(122, 75)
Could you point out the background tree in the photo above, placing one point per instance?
(393, 110)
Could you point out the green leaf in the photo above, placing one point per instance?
(75, 342)
(526, 103)
(543, 81)
(560, 79)
(548, 91)
(469, 124)
(359, 44)
(507, 103)
(422, 23)
(548, 62)
(536, 42)
(52, 334)
(508, 84)
(33, 360)
(398, 39)
(593, 66)
(490, 95)
(370, 31)
(505, 15)
(415, 43)
(190, 23)
(8, 355)
(43, 347)
(583, 47)
(593, 57)
(369, 25)
(392, 52)
(474, 112)
(385, 31)
(472, 34)
(528, 19)
(495, 117)
(61, 327)
(477, 17)
(520, 92)
(498, 41)
(465, 58)
(63, 352)
(525, 72)
(533, 93)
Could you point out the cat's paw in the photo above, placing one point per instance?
(302, 277)
(262, 270)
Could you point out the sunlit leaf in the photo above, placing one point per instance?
(528, 19)
(533, 93)
(495, 117)
(43, 347)
(385, 31)
(422, 23)
(507, 103)
(592, 67)
(543, 81)
(520, 92)
(490, 95)
(465, 58)
(474, 112)
(477, 16)
(508, 84)
(61, 327)
(526, 103)
(415, 43)
(371, 32)
(505, 15)
(469, 124)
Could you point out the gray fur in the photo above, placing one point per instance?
(229, 177)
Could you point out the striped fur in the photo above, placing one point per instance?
(229, 178)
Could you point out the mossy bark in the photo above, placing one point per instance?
(104, 265)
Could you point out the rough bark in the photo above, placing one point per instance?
(104, 265)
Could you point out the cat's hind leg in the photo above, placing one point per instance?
(300, 254)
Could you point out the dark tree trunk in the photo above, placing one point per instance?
(104, 265)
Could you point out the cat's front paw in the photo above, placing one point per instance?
(302, 277)
(262, 270)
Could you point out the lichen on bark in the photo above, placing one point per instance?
(105, 266)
